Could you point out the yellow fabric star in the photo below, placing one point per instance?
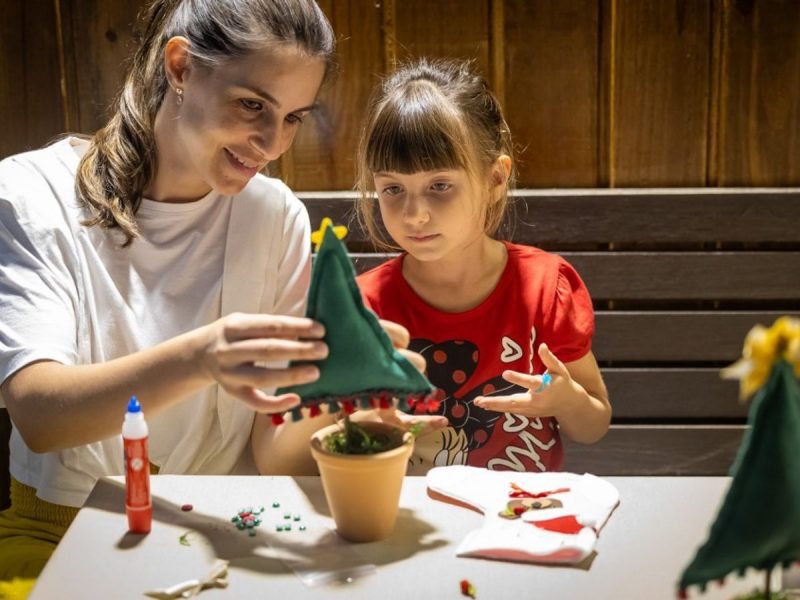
(318, 235)
(762, 348)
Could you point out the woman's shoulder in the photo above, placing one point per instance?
(40, 184)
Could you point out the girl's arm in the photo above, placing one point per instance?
(576, 397)
(55, 406)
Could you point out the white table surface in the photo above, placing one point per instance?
(650, 537)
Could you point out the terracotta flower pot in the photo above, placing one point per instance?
(363, 490)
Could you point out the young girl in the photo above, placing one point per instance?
(154, 259)
(506, 329)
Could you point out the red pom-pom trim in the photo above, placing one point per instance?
(383, 401)
(314, 410)
(347, 407)
(277, 418)
(432, 404)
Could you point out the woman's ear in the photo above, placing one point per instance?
(176, 61)
(500, 172)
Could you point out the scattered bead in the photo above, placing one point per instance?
(276, 505)
(467, 589)
(302, 527)
(251, 532)
(187, 507)
(296, 517)
(287, 515)
(279, 527)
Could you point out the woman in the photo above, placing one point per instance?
(154, 259)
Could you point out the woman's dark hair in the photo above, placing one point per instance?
(121, 159)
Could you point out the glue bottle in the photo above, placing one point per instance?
(137, 469)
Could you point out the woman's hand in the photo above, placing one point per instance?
(235, 351)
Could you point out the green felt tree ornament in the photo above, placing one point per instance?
(363, 369)
(758, 524)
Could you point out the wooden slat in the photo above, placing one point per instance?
(658, 450)
(559, 218)
(659, 90)
(674, 275)
(5, 479)
(664, 336)
(443, 30)
(679, 394)
(322, 156)
(31, 110)
(689, 275)
(551, 61)
(759, 110)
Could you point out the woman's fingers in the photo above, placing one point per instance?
(269, 349)
(240, 326)
(264, 377)
(264, 403)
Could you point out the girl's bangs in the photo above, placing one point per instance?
(410, 136)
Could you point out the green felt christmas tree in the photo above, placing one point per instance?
(758, 524)
(363, 369)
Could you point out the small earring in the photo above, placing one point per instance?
(179, 92)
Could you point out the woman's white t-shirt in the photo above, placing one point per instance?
(71, 294)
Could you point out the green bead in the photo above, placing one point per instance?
(302, 527)
(251, 533)
(276, 504)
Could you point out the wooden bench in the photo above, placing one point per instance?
(678, 277)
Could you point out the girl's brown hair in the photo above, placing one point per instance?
(121, 159)
(427, 115)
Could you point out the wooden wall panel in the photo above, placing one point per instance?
(441, 29)
(608, 93)
(323, 156)
(759, 124)
(98, 38)
(551, 83)
(31, 109)
(659, 92)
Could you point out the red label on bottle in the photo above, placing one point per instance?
(137, 473)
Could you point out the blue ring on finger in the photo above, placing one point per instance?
(546, 379)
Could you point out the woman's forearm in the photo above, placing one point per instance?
(56, 406)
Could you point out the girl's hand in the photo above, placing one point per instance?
(400, 339)
(553, 400)
(234, 352)
(402, 420)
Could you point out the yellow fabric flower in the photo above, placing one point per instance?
(762, 349)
